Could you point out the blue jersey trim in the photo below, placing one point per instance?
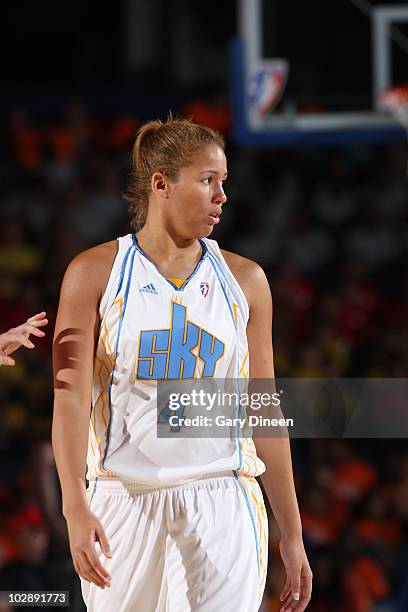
(194, 272)
(93, 491)
(219, 272)
(125, 299)
(122, 274)
(250, 514)
(122, 271)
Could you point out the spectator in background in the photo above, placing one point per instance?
(309, 244)
(364, 582)
(372, 243)
(351, 477)
(15, 337)
(24, 141)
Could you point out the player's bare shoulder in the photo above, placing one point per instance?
(249, 274)
(90, 269)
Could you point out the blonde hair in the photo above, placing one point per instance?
(163, 147)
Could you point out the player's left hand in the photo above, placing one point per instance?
(297, 591)
(11, 340)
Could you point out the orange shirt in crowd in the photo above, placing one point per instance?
(217, 117)
(26, 144)
(379, 530)
(323, 529)
(353, 479)
(364, 584)
(62, 143)
(122, 132)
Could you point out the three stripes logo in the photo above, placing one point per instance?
(149, 288)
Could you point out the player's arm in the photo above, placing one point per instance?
(275, 452)
(76, 330)
(11, 340)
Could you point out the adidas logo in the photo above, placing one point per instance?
(150, 288)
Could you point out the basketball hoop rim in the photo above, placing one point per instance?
(395, 96)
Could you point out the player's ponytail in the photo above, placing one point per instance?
(137, 195)
(165, 147)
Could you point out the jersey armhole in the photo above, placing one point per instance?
(239, 294)
(124, 242)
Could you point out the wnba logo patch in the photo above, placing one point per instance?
(266, 85)
(204, 287)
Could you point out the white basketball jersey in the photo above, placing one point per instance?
(153, 330)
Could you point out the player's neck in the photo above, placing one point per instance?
(174, 257)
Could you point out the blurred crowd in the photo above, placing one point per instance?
(328, 226)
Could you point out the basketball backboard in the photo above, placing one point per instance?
(312, 72)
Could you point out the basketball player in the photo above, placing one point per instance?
(168, 524)
(15, 337)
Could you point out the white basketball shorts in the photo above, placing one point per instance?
(195, 547)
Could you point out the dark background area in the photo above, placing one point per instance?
(80, 46)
